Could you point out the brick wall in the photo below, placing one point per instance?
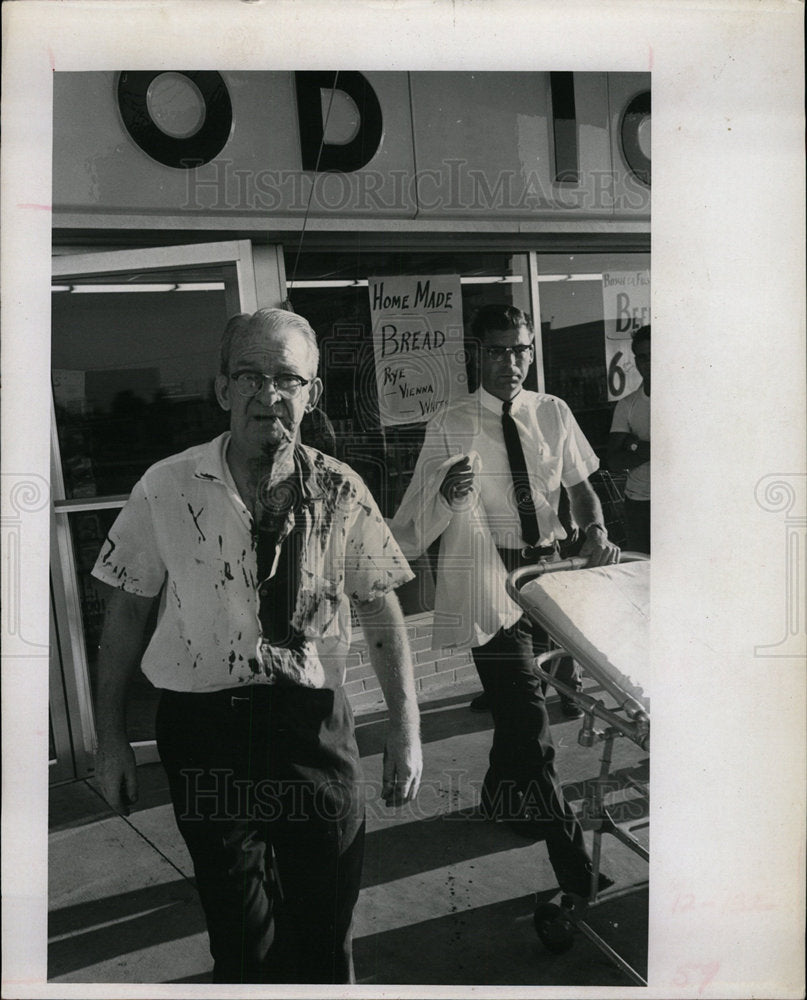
(434, 668)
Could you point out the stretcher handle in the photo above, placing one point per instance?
(517, 579)
(637, 729)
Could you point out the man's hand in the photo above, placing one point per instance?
(458, 481)
(116, 774)
(598, 549)
(403, 766)
(587, 510)
(122, 642)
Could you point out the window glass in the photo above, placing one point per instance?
(132, 378)
(573, 333)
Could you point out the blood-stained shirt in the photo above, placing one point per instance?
(186, 535)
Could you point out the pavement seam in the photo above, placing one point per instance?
(140, 834)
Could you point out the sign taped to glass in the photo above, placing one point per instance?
(418, 345)
(626, 307)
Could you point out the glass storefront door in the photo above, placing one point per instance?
(134, 350)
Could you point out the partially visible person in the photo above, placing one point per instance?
(629, 448)
(252, 549)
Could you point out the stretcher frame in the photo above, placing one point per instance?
(633, 724)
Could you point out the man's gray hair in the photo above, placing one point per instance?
(266, 321)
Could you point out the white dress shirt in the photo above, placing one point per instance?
(470, 601)
(555, 450)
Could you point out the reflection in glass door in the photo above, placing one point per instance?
(135, 346)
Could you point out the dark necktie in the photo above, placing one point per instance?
(521, 480)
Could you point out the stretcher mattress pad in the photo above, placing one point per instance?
(602, 617)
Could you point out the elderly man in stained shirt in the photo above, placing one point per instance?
(253, 547)
(462, 491)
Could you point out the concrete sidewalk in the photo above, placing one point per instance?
(447, 897)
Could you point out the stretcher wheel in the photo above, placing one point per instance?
(553, 927)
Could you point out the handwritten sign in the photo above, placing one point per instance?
(418, 344)
(626, 307)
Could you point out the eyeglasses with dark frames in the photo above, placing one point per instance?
(519, 351)
(287, 385)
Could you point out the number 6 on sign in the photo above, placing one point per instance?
(616, 377)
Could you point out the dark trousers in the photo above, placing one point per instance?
(637, 525)
(522, 777)
(265, 783)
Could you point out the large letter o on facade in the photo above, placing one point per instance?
(183, 152)
(633, 129)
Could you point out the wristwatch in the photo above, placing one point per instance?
(595, 524)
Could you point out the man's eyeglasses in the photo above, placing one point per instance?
(518, 351)
(286, 385)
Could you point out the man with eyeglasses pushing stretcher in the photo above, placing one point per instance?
(487, 482)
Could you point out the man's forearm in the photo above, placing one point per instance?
(384, 629)
(385, 632)
(587, 512)
(118, 658)
(585, 505)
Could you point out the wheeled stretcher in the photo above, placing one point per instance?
(600, 616)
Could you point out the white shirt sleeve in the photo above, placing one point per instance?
(579, 459)
(130, 558)
(374, 564)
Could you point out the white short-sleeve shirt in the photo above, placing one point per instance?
(186, 535)
(556, 452)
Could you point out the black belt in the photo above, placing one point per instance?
(235, 698)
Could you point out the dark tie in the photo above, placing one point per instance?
(521, 481)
